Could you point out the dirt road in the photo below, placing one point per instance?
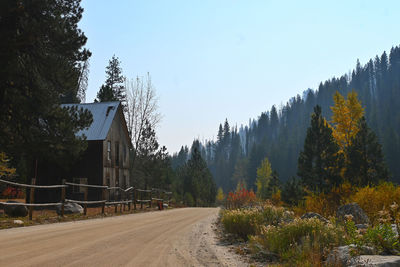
(179, 237)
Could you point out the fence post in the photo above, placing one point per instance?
(104, 194)
(62, 198)
(31, 197)
(85, 198)
(134, 199)
(151, 200)
(128, 199)
(141, 198)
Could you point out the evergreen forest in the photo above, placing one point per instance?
(280, 132)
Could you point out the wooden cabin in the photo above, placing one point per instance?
(106, 160)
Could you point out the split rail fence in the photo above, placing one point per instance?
(129, 196)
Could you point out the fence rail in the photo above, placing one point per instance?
(87, 185)
(33, 186)
(139, 196)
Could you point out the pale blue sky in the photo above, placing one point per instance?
(211, 60)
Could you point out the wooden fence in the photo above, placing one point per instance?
(129, 196)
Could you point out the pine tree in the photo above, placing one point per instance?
(105, 94)
(198, 181)
(365, 163)
(319, 163)
(114, 88)
(42, 49)
(292, 192)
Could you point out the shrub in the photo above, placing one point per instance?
(302, 241)
(375, 199)
(326, 204)
(12, 192)
(276, 198)
(245, 222)
(274, 215)
(383, 238)
(242, 222)
(241, 197)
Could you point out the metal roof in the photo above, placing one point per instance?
(103, 114)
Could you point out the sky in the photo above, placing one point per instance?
(215, 59)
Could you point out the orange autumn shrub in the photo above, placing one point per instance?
(12, 192)
(241, 197)
(375, 199)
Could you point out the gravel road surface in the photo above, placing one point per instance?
(178, 237)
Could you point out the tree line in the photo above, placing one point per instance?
(279, 134)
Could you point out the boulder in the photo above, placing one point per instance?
(340, 256)
(19, 222)
(353, 209)
(15, 210)
(376, 261)
(70, 208)
(310, 215)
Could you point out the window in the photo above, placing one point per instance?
(116, 153)
(109, 150)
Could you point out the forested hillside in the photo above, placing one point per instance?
(280, 132)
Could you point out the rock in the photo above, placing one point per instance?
(361, 226)
(18, 222)
(310, 215)
(395, 230)
(15, 210)
(366, 250)
(70, 208)
(353, 209)
(339, 256)
(376, 261)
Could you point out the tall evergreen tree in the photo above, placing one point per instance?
(292, 191)
(319, 163)
(105, 94)
(41, 54)
(114, 88)
(365, 163)
(198, 181)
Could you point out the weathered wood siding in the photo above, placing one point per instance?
(116, 174)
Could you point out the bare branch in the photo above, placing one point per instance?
(142, 106)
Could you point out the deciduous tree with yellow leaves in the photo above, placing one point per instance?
(345, 118)
(263, 179)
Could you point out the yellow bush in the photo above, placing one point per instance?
(326, 204)
(276, 198)
(374, 199)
